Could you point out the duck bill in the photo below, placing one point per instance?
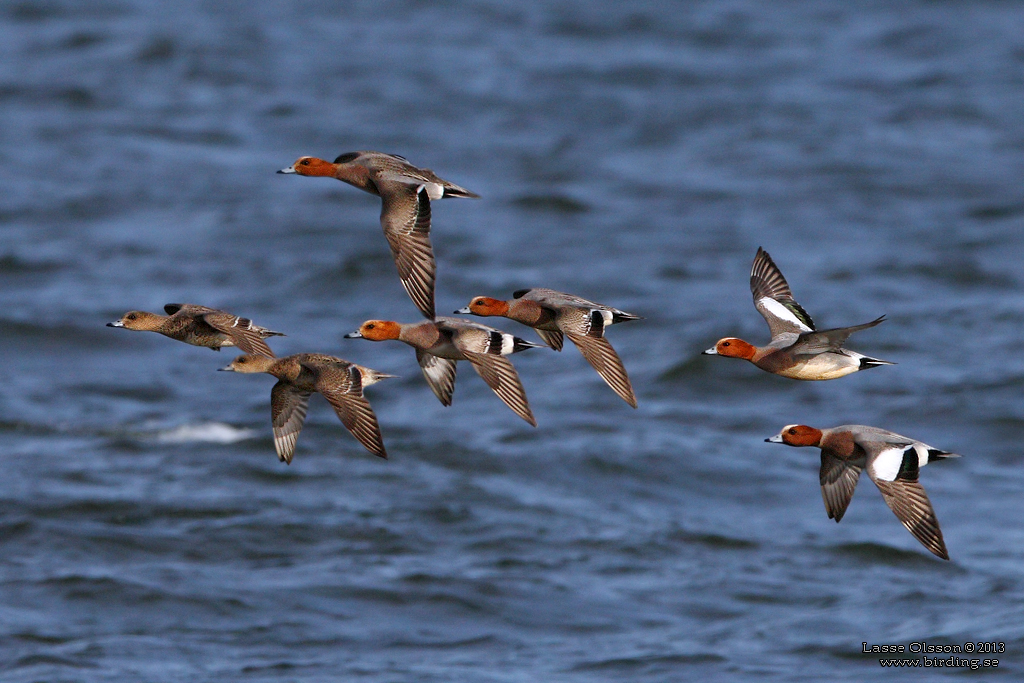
(116, 323)
(709, 352)
(226, 368)
(290, 169)
(354, 335)
(774, 439)
(464, 311)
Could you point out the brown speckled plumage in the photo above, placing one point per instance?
(304, 374)
(201, 326)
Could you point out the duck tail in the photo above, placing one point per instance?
(866, 363)
(452, 190)
(935, 454)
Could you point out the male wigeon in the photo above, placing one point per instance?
(201, 326)
(554, 314)
(797, 350)
(893, 463)
(305, 374)
(405, 193)
(440, 343)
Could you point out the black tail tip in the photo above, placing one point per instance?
(868, 363)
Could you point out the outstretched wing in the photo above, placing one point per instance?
(405, 218)
(823, 341)
(895, 470)
(502, 378)
(774, 300)
(600, 354)
(354, 411)
(911, 505)
(288, 407)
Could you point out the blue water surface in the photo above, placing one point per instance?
(633, 153)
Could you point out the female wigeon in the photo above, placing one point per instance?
(405, 193)
(440, 343)
(201, 326)
(305, 374)
(893, 463)
(797, 350)
(554, 314)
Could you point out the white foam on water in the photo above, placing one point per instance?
(209, 432)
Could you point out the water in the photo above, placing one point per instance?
(633, 153)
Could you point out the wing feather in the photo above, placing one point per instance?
(838, 480)
(356, 414)
(440, 375)
(502, 378)
(773, 298)
(288, 407)
(600, 354)
(817, 342)
(405, 218)
(909, 501)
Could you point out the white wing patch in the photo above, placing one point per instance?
(887, 465)
(434, 190)
(781, 312)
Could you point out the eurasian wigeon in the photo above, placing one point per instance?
(797, 350)
(201, 326)
(893, 462)
(440, 343)
(554, 314)
(305, 374)
(405, 193)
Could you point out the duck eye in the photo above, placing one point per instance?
(132, 316)
(793, 431)
(304, 162)
(726, 343)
